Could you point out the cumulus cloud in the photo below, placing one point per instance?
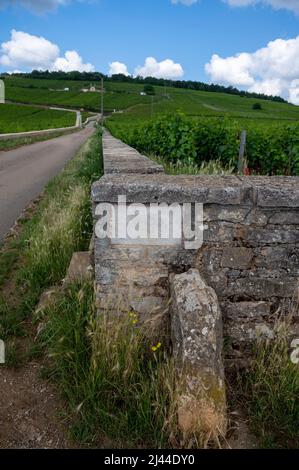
(26, 52)
(164, 69)
(38, 6)
(273, 70)
(72, 61)
(116, 68)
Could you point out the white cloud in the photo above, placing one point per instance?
(294, 92)
(116, 68)
(292, 5)
(72, 61)
(233, 70)
(38, 6)
(26, 52)
(273, 70)
(164, 69)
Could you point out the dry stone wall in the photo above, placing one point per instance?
(250, 254)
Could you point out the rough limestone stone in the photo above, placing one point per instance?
(262, 191)
(196, 327)
(119, 158)
(248, 310)
(80, 267)
(236, 257)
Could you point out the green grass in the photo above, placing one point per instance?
(119, 392)
(15, 118)
(213, 167)
(270, 390)
(39, 256)
(9, 144)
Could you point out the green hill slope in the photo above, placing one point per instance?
(15, 118)
(121, 96)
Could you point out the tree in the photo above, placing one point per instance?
(257, 106)
(149, 89)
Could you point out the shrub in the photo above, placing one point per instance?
(149, 89)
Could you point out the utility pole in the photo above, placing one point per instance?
(102, 101)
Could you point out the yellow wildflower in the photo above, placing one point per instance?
(155, 348)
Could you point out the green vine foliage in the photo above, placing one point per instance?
(271, 149)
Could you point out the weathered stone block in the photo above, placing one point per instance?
(258, 288)
(80, 267)
(278, 257)
(250, 310)
(219, 282)
(284, 195)
(233, 214)
(256, 217)
(119, 158)
(246, 334)
(218, 232)
(236, 257)
(284, 218)
(132, 253)
(270, 235)
(196, 326)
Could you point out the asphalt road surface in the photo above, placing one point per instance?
(24, 172)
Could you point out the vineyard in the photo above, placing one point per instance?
(121, 96)
(272, 147)
(52, 93)
(15, 118)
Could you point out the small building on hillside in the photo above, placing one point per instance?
(91, 89)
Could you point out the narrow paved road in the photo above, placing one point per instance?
(24, 172)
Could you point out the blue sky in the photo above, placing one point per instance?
(199, 40)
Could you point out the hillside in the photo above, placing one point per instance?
(122, 95)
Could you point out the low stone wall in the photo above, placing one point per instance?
(250, 254)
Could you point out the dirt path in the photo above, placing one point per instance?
(29, 411)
